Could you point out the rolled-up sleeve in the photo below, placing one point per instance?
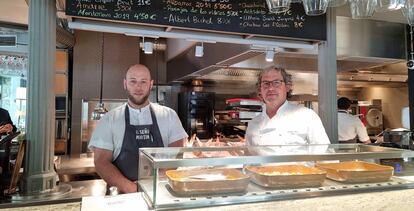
(176, 131)
(361, 131)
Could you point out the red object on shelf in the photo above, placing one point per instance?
(234, 114)
(236, 100)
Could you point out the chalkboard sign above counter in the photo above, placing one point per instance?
(229, 16)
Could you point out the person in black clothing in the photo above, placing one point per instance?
(6, 127)
(6, 124)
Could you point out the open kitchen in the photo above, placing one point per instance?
(232, 104)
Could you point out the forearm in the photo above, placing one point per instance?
(113, 177)
(178, 143)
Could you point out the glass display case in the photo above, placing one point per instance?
(175, 178)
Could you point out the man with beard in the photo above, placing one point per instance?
(136, 124)
(281, 122)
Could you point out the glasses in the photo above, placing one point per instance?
(275, 83)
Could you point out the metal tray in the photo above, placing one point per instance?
(207, 181)
(286, 176)
(356, 171)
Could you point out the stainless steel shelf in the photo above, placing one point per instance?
(166, 199)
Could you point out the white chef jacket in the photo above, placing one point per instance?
(109, 132)
(292, 125)
(349, 127)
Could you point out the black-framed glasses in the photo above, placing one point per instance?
(275, 83)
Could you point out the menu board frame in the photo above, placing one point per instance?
(242, 17)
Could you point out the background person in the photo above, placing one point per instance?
(6, 124)
(350, 128)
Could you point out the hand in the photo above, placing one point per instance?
(132, 187)
(210, 143)
(190, 142)
(241, 138)
(7, 128)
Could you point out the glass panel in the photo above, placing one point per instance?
(284, 153)
(13, 88)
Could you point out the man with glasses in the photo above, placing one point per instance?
(281, 122)
(136, 124)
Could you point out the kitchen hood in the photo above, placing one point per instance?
(361, 45)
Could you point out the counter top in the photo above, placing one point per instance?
(75, 164)
(78, 190)
(400, 200)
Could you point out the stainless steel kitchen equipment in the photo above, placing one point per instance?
(401, 138)
(88, 125)
(370, 113)
(196, 112)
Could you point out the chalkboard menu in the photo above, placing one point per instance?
(231, 16)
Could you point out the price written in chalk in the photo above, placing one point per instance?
(229, 16)
(145, 16)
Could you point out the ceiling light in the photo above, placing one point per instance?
(269, 55)
(148, 47)
(199, 50)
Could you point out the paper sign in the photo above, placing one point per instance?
(124, 202)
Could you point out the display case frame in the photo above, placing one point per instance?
(154, 161)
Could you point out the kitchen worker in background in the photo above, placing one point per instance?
(281, 122)
(350, 128)
(136, 124)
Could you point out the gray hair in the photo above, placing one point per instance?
(287, 78)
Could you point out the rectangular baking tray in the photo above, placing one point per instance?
(286, 176)
(207, 181)
(356, 171)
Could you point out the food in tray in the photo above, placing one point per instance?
(274, 173)
(207, 181)
(356, 171)
(286, 176)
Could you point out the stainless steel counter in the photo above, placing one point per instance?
(76, 167)
(75, 164)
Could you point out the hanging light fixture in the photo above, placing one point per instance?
(315, 7)
(408, 11)
(270, 54)
(148, 47)
(362, 8)
(100, 109)
(336, 3)
(199, 50)
(389, 5)
(278, 6)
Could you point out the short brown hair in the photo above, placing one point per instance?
(287, 78)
